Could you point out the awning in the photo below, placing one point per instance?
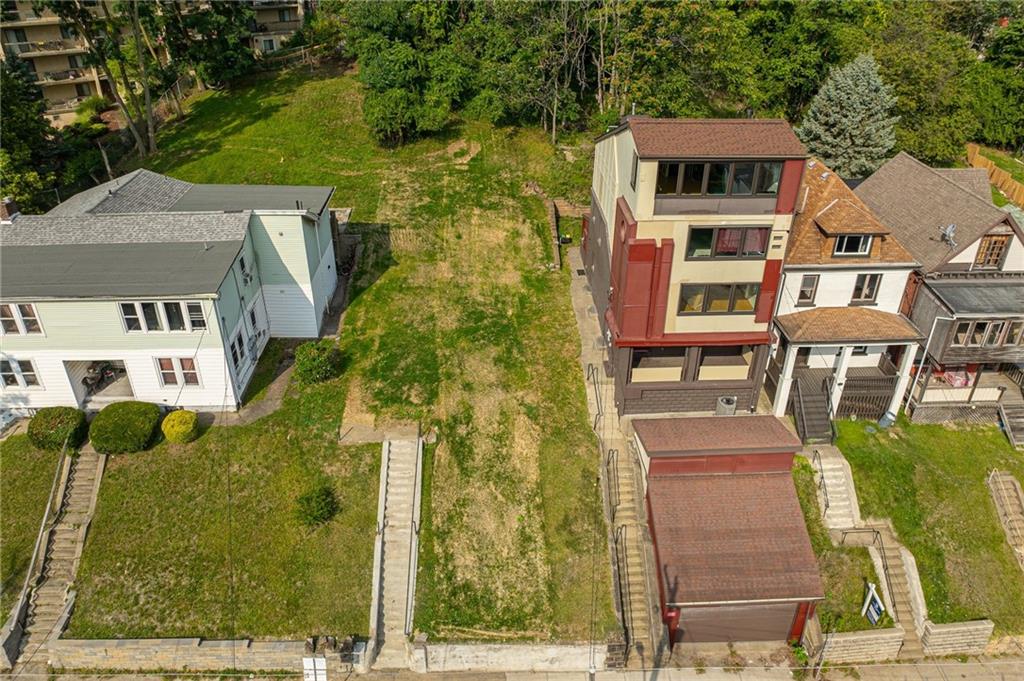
(735, 538)
(991, 297)
(857, 325)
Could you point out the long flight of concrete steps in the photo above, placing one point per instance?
(60, 561)
(841, 511)
(398, 559)
(900, 588)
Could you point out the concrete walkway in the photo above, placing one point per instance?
(402, 464)
(630, 542)
(60, 560)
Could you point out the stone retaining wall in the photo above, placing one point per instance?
(960, 638)
(456, 657)
(181, 654)
(865, 646)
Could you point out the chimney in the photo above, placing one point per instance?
(8, 210)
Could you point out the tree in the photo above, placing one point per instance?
(212, 38)
(1006, 49)
(850, 123)
(27, 142)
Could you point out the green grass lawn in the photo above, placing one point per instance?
(26, 476)
(844, 569)
(1005, 161)
(930, 480)
(455, 321)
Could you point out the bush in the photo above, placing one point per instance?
(181, 426)
(124, 427)
(318, 361)
(317, 506)
(51, 425)
(91, 108)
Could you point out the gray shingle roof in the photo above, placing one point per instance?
(984, 297)
(140, 191)
(253, 197)
(120, 270)
(916, 202)
(46, 230)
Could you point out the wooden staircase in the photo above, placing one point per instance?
(1012, 416)
(809, 405)
(1009, 500)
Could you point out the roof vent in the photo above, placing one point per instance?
(949, 235)
(824, 176)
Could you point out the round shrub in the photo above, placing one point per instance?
(316, 506)
(124, 427)
(318, 361)
(181, 426)
(51, 425)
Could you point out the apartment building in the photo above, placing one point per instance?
(683, 249)
(54, 54)
(275, 22)
(967, 296)
(159, 290)
(843, 348)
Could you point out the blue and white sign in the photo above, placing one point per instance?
(873, 607)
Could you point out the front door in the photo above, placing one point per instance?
(803, 356)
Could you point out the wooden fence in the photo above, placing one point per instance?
(1013, 189)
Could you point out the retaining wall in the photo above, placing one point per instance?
(457, 657)
(865, 646)
(181, 654)
(960, 638)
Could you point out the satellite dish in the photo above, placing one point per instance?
(949, 235)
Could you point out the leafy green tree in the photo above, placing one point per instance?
(27, 142)
(996, 100)
(213, 38)
(391, 115)
(977, 20)
(1007, 47)
(849, 124)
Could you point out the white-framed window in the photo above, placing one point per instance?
(19, 318)
(169, 315)
(853, 244)
(178, 371)
(237, 351)
(19, 373)
(268, 45)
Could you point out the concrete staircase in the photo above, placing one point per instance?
(1009, 499)
(835, 485)
(398, 561)
(60, 561)
(1012, 416)
(900, 590)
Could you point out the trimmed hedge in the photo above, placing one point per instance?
(181, 426)
(51, 425)
(318, 361)
(124, 427)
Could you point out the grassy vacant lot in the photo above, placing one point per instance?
(844, 569)
(930, 480)
(456, 321)
(26, 475)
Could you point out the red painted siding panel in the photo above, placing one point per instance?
(769, 290)
(659, 292)
(789, 186)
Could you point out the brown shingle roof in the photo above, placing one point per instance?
(728, 538)
(700, 435)
(713, 138)
(917, 202)
(827, 206)
(846, 324)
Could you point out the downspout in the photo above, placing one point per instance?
(227, 351)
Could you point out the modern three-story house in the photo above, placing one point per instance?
(683, 249)
(843, 348)
(159, 290)
(967, 297)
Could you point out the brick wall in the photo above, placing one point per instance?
(182, 653)
(960, 638)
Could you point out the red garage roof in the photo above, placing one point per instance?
(731, 538)
(709, 435)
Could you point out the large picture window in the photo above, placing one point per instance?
(988, 333)
(718, 298)
(719, 178)
(727, 242)
(162, 316)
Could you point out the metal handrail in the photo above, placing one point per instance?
(833, 409)
(612, 478)
(877, 539)
(414, 532)
(592, 379)
(816, 457)
(623, 585)
(798, 410)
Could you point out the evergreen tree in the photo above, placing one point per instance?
(26, 139)
(850, 123)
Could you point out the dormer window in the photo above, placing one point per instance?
(853, 244)
(718, 178)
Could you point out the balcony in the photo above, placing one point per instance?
(14, 18)
(66, 76)
(43, 48)
(276, 27)
(717, 205)
(64, 105)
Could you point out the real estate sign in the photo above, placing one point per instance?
(873, 606)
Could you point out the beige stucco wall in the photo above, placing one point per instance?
(613, 159)
(713, 271)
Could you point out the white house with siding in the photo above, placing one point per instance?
(159, 290)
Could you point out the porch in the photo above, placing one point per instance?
(969, 385)
(98, 383)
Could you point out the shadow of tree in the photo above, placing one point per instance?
(375, 255)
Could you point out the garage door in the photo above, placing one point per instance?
(736, 623)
